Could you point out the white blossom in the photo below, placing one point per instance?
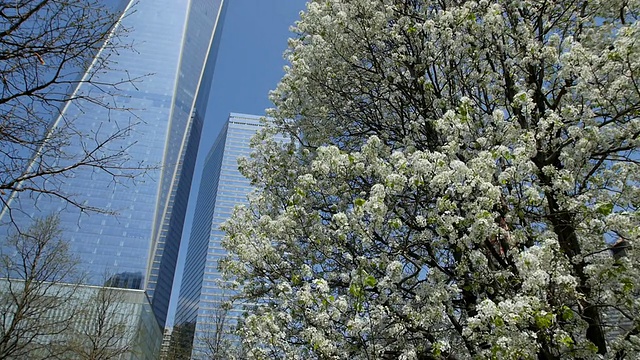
(460, 172)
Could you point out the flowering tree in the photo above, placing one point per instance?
(459, 173)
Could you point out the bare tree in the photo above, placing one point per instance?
(52, 55)
(38, 283)
(214, 338)
(44, 311)
(106, 330)
(218, 341)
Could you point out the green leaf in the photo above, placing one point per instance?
(605, 209)
(370, 281)
(544, 321)
(567, 341)
(522, 97)
(436, 350)
(359, 202)
(614, 56)
(355, 290)
(497, 321)
(566, 313)
(295, 280)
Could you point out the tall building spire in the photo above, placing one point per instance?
(174, 50)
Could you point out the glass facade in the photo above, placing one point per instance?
(120, 321)
(222, 188)
(175, 43)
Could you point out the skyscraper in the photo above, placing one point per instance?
(175, 42)
(222, 188)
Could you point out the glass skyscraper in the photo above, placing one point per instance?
(175, 43)
(221, 189)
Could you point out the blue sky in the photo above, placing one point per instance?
(249, 64)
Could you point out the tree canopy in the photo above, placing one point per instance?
(458, 174)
